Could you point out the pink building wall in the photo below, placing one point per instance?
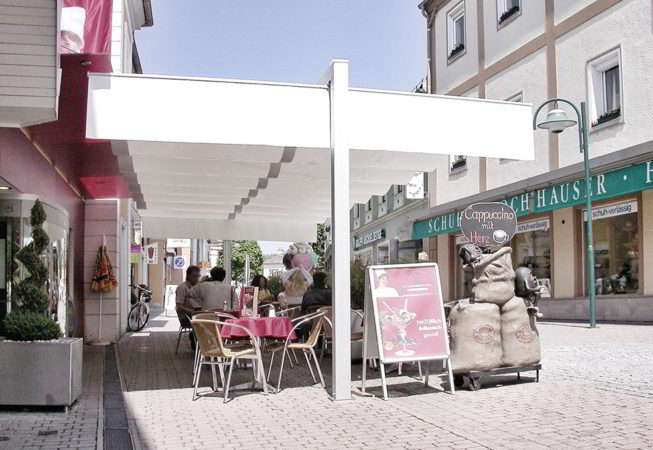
(28, 171)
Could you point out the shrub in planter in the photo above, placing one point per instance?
(30, 298)
(357, 284)
(30, 326)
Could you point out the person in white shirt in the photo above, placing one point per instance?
(214, 294)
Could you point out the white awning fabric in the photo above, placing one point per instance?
(230, 159)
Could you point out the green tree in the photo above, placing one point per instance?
(318, 246)
(240, 249)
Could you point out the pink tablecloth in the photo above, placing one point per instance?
(263, 327)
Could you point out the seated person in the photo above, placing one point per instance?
(214, 294)
(264, 295)
(185, 305)
(318, 295)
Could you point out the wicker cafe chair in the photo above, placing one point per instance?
(308, 347)
(214, 352)
(207, 315)
(184, 328)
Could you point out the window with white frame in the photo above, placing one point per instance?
(507, 9)
(457, 163)
(456, 30)
(517, 98)
(368, 205)
(604, 88)
(382, 199)
(399, 189)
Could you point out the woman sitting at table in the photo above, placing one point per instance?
(264, 295)
(295, 282)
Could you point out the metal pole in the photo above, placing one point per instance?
(337, 78)
(591, 277)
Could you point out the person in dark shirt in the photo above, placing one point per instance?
(317, 295)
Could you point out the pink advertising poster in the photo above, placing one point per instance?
(248, 298)
(408, 312)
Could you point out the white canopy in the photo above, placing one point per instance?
(231, 159)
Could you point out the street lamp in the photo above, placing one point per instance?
(557, 121)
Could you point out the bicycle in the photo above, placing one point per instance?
(140, 312)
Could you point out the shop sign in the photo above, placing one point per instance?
(178, 243)
(9, 208)
(524, 227)
(135, 254)
(603, 212)
(373, 236)
(603, 186)
(179, 262)
(415, 187)
(535, 225)
(151, 253)
(488, 224)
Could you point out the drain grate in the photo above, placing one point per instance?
(48, 433)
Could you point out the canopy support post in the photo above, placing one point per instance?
(226, 252)
(337, 77)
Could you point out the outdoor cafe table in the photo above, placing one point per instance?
(261, 327)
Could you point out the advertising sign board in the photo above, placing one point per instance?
(151, 253)
(408, 316)
(488, 224)
(248, 300)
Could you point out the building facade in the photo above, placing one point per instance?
(45, 58)
(597, 52)
(381, 228)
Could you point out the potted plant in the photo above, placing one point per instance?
(39, 367)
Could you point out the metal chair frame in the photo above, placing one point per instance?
(222, 361)
(306, 348)
(183, 330)
(214, 315)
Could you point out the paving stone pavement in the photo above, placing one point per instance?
(596, 391)
(75, 429)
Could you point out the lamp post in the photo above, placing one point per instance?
(556, 122)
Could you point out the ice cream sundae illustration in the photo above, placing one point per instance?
(400, 319)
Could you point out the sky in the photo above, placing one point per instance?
(287, 41)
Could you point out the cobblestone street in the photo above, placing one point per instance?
(595, 391)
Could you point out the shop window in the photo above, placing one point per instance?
(616, 249)
(507, 10)
(407, 251)
(604, 88)
(456, 31)
(457, 163)
(531, 247)
(382, 254)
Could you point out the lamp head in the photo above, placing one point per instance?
(556, 121)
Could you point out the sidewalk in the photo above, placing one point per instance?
(75, 429)
(595, 391)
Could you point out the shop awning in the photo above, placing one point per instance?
(231, 159)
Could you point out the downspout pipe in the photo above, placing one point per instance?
(430, 19)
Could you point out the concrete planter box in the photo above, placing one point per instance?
(44, 373)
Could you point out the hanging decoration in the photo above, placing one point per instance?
(104, 279)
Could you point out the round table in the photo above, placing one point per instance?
(261, 327)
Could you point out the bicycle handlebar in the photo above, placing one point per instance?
(140, 288)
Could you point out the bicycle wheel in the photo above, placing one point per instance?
(138, 317)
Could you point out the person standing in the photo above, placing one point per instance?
(214, 294)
